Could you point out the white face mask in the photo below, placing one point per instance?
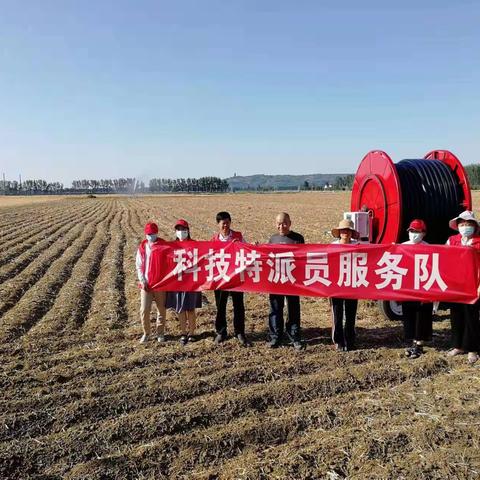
(181, 234)
(152, 238)
(466, 230)
(415, 237)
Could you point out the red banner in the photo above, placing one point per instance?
(390, 272)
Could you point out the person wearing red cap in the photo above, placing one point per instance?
(184, 303)
(417, 316)
(147, 296)
(464, 317)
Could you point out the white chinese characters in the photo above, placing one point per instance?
(391, 272)
(353, 270)
(316, 269)
(424, 278)
(187, 262)
(248, 262)
(282, 266)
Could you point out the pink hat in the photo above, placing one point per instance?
(465, 216)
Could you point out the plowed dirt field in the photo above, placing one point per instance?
(82, 399)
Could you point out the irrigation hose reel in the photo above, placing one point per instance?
(387, 196)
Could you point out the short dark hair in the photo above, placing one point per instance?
(223, 216)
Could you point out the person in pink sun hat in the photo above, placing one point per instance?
(464, 317)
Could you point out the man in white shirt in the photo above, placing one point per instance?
(226, 234)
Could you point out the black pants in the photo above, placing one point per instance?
(344, 336)
(417, 321)
(465, 326)
(275, 318)
(221, 299)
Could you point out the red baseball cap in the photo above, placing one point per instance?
(417, 225)
(151, 228)
(181, 223)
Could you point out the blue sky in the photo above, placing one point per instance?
(102, 89)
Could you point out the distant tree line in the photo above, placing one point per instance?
(189, 185)
(109, 185)
(341, 183)
(344, 183)
(473, 173)
(30, 187)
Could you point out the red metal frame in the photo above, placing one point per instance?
(455, 165)
(376, 189)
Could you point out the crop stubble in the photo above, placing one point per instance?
(82, 399)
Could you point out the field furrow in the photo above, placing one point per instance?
(203, 378)
(108, 307)
(73, 300)
(29, 232)
(23, 218)
(14, 286)
(188, 424)
(83, 399)
(35, 303)
(24, 253)
(133, 236)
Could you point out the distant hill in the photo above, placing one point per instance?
(282, 182)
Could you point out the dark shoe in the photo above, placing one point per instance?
(298, 345)
(416, 351)
(274, 343)
(409, 350)
(183, 340)
(243, 340)
(220, 338)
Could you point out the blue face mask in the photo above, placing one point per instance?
(152, 238)
(466, 230)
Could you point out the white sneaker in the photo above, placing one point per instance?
(454, 352)
(161, 338)
(145, 338)
(472, 357)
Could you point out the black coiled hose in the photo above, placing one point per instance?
(431, 192)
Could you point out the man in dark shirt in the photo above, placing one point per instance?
(277, 302)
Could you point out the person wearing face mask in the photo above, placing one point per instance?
(464, 317)
(417, 316)
(344, 337)
(147, 296)
(184, 303)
